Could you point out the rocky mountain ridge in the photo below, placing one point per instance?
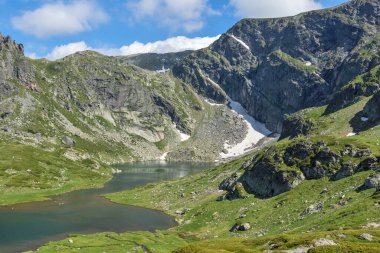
(278, 66)
(154, 61)
(98, 99)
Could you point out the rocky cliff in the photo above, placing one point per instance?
(278, 66)
(109, 109)
(14, 67)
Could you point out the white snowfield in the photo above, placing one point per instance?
(183, 136)
(240, 41)
(163, 157)
(351, 134)
(256, 131)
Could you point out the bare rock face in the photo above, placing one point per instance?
(347, 169)
(68, 142)
(372, 181)
(229, 182)
(279, 169)
(14, 66)
(320, 163)
(372, 109)
(294, 126)
(240, 227)
(278, 66)
(264, 179)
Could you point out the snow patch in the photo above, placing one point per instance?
(351, 134)
(211, 103)
(308, 63)
(163, 157)
(256, 131)
(240, 41)
(183, 136)
(364, 119)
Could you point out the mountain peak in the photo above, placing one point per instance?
(9, 44)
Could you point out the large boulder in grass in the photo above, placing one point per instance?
(265, 179)
(372, 181)
(68, 142)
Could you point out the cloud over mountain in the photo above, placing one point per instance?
(175, 44)
(272, 8)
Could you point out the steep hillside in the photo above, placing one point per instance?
(91, 110)
(313, 191)
(278, 66)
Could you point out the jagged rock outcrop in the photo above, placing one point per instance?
(278, 66)
(14, 66)
(294, 125)
(347, 169)
(228, 183)
(264, 177)
(372, 181)
(109, 107)
(240, 227)
(268, 181)
(279, 169)
(363, 86)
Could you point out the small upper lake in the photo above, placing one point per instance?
(28, 226)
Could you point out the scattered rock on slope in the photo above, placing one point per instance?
(69, 142)
(372, 181)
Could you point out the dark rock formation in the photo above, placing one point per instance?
(300, 151)
(368, 164)
(294, 125)
(372, 181)
(228, 183)
(347, 169)
(67, 141)
(372, 109)
(279, 169)
(14, 66)
(352, 93)
(264, 179)
(287, 64)
(240, 227)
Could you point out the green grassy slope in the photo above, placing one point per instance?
(278, 223)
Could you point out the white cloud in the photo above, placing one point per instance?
(175, 44)
(64, 50)
(272, 8)
(60, 18)
(185, 14)
(31, 55)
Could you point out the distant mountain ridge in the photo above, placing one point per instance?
(154, 61)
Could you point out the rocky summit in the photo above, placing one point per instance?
(278, 66)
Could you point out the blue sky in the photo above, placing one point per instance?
(53, 29)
